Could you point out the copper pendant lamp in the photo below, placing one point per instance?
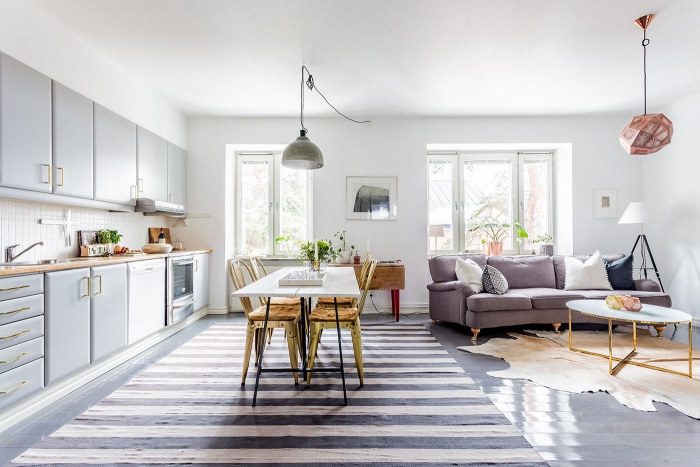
(648, 133)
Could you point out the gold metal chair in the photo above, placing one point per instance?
(348, 318)
(285, 317)
(347, 302)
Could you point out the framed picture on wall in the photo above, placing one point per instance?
(371, 198)
(604, 204)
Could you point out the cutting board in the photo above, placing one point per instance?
(153, 233)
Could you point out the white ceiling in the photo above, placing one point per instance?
(376, 58)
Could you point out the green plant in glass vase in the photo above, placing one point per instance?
(326, 252)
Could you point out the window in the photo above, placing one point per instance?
(470, 194)
(272, 201)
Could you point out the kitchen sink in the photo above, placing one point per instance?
(41, 262)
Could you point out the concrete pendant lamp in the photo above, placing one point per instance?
(648, 133)
(302, 154)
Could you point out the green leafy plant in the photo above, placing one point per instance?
(489, 220)
(108, 236)
(543, 238)
(287, 242)
(326, 252)
(342, 237)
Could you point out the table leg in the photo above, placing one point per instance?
(690, 349)
(340, 350)
(302, 336)
(262, 349)
(393, 303)
(610, 346)
(395, 294)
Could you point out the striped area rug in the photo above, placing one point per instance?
(417, 407)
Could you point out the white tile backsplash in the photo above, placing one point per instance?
(196, 235)
(19, 223)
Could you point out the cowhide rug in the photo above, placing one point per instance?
(547, 360)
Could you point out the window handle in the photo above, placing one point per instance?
(456, 209)
(278, 205)
(270, 206)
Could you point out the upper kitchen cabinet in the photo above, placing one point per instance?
(25, 127)
(152, 157)
(115, 157)
(72, 143)
(177, 175)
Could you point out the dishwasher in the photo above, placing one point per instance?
(146, 298)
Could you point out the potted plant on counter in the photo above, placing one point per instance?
(345, 256)
(109, 238)
(546, 247)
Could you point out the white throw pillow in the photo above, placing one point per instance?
(590, 275)
(470, 272)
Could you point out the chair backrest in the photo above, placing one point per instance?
(256, 265)
(365, 290)
(238, 278)
(363, 277)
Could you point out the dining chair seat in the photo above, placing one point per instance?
(328, 314)
(326, 302)
(277, 313)
(288, 301)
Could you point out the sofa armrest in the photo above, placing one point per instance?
(464, 289)
(646, 285)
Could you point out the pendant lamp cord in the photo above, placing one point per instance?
(645, 42)
(311, 85)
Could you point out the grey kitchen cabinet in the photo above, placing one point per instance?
(67, 322)
(200, 286)
(115, 157)
(108, 312)
(25, 127)
(152, 166)
(177, 175)
(72, 143)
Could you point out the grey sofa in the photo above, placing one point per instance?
(535, 293)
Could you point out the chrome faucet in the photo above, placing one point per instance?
(10, 250)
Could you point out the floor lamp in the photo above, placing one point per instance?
(436, 231)
(638, 213)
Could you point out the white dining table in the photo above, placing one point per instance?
(339, 282)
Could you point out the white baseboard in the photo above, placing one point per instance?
(219, 310)
(32, 404)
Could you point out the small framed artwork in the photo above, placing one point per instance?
(604, 204)
(371, 198)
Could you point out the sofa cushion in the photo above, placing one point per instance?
(524, 272)
(491, 302)
(560, 266)
(470, 272)
(548, 299)
(442, 268)
(589, 275)
(493, 281)
(620, 273)
(649, 298)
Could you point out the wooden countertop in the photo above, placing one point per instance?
(94, 261)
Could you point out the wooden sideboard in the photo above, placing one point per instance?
(390, 277)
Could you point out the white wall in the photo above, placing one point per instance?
(36, 39)
(397, 147)
(671, 187)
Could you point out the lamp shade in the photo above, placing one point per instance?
(637, 213)
(302, 154)
(646, 134)
(436, 231)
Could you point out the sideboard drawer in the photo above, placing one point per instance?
(21, 286)
(21, 354)
(21, 331)
(21, 308)
(21, 382)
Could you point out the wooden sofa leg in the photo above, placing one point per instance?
(476, 332)
(434, 321)
(660, 331)
(556, 327)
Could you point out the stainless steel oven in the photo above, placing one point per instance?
(180, 288)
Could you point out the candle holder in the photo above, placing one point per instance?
(315, 265)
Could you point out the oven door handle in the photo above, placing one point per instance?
(187, 302)
(182, 262)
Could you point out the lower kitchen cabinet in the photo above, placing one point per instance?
(21, 382)
(201, 281)
(108, 318)
(67, 313)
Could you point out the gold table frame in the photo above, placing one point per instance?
(628, 359)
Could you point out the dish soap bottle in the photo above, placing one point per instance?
(161, 237)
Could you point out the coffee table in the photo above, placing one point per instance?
(649, 315)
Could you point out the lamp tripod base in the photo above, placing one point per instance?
(646, 250)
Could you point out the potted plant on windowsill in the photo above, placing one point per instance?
(546, 247)
(288, 244)
(489, 220)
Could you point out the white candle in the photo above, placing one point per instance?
(315, 249)
(368, 245)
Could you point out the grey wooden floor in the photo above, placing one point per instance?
(591, 430)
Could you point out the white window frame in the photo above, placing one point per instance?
(274, 159)
(517, 159)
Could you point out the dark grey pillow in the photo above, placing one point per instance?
(620, 273)
(494, 282)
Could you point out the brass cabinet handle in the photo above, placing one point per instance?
(88, 287)
(14, 335)
(14, 359)
(140, 185)
(171, 197)
(133, 192)
(63, 176)
(100, 276)
(14, 288)
(16, 311)
(7, 391)
(48, 167)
